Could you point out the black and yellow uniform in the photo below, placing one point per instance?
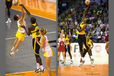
(89, 43)
(8, 6)
(82, 38)
(34, 30)
(67, 47)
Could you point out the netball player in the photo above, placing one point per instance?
(68, 48)
(34, 30)
(8, 7)
(82, 35)
(61, 47)
(20, 35)
(9, 4)
(44, 44)
(89, 42)
(107, 47)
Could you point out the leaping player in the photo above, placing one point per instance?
(20, 35)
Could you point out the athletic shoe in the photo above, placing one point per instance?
(81, 63)
(42, 71)
(12, 53)
(37, 70)
(9, 20)
(92, 62)
(62, 62)
(71, 62)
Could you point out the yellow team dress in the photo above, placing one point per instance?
(20, 32)
(67, 41)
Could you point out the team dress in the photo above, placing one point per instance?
(82, 37)
(47, 49)
(89, 44)
(61, 47)
(35, 34)
(20, 32)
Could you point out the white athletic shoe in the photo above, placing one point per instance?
(71, 62)
(82, 63)
(12, 53)
(8, 21)
(42, 71)
(37, 70)
(92, 62)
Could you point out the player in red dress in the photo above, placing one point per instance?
(61, 47)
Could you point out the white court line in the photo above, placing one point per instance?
(28, 36)
(24, 72)
(36, 15)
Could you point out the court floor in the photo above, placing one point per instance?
(100, 64)
(31, 74)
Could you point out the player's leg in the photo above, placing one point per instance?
(87, 47)
(48, 62)
(69, 51)
(63, 54)
(65, 51)
(84, 53)
(12, 53)
(36, 48)
(8, 6)
(14, 43)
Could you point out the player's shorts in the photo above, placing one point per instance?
(48, 53)
(20, 36)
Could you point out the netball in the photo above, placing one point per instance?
(87, 2)
(15, 2)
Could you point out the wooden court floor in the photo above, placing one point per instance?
(85, 70)
(42, 8)
(31, 74)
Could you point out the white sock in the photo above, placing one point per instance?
(12, 53)
(91, 57)
(12, 48)
(9, 19)
(82, 58)
(41, 67)
(38, 65)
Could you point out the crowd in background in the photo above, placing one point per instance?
(98, 22)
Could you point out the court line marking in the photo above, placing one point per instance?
(23, 72)
(36, 15)
(28, 36)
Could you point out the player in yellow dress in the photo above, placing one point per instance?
(20, 35)
(68, 48)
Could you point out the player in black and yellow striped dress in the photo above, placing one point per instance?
(82, 35)
(68, 47)
(34, 30)
(8, 7)
(90, 45)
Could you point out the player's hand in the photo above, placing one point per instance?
(23, 27)
(21, 5)
(37, 40)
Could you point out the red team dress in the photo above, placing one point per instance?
(61, 47)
